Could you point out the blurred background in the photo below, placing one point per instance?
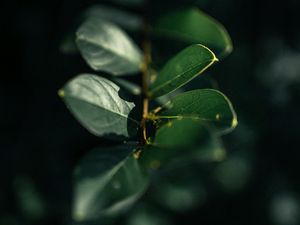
(41, 142)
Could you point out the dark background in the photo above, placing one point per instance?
(40, 142)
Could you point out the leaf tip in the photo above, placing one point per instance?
(234, 122)
(61, 93)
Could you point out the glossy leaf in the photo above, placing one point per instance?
(206, 105)
(182, 68)
(97, 104)
(178, 142)
(122, 18)
(107, 182)
(195, 27)
(105, 47)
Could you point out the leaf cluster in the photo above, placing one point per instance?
(187, 127)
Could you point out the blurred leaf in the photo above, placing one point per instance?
(30, 201)
(96, 103)
(182, 68)
(128, 86)
(145, 214)
(233, 174)
(122, 18)
(107, 182)
(105, 47)
(178, 142)
(128, 21)
(129, 2)
(195, 27)
(207, 105)
(181, 192)
(68, 45)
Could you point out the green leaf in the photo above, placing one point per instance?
(122, 18)
(105, 47)
(202, 82)
(107, 182)
(206, 105)
(97, 104)
(195, 27)
(178, 142)
(182, 68)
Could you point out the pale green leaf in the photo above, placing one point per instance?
(105, 47)
(195, 27)
(182, 68)
(107, 182)
(97, 104)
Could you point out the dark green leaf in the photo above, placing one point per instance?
(195, 27)
(105, 47)
(96, 103)
(179, 142)
(182, 68)
(206, 105)
(107, 182)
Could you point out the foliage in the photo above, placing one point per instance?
(186, 129)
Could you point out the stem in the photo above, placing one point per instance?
(145, 81)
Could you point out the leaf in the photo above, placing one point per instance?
(128, 86)
(129, 2)
(206, 105)
(105, 47)
(96, 103)
(195, 27)
(128, 21)
(182, 68)
(179, 142)
(107, 182)
(147, 214)
(122, 18)
(198, 82)
(179, 191)
(68, 45)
